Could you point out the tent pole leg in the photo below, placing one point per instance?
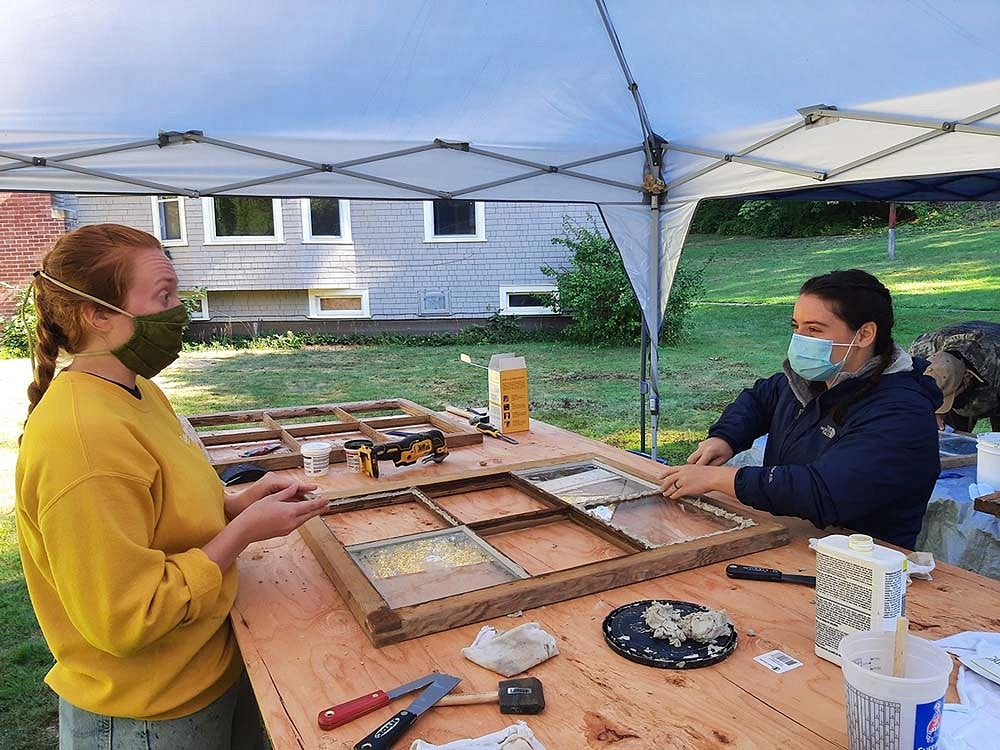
(643, 388)
(654, 336)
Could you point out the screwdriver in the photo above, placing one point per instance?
(488, 429)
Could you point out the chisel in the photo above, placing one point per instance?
(753, 573)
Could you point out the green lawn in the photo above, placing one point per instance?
(739, 333)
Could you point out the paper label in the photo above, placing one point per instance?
(928, 725)
(777, 661)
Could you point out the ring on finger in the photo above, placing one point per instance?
(676, 485)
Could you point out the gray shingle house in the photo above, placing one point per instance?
(322, 264)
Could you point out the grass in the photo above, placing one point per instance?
(739, 333)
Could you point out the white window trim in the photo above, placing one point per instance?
(506, 291)
(479, 236)
(326, 239)
(316, 312)
(203, 315)
(158, 230)
(208, 211)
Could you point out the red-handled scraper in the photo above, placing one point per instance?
(342, 713)
(391, 731)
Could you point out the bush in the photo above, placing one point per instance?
(14, 332)
(595, 291)
(795, 218)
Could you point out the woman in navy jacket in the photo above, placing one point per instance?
(852, 437)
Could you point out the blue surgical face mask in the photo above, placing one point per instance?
(810, 357)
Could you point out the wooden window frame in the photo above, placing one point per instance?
(349, 417)
(384, 624)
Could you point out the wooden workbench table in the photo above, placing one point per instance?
(305, 652)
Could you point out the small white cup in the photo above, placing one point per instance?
(316, 458)
(351, 448)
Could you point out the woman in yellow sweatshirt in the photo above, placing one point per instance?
(127, 537)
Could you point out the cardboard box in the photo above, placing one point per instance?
(508, 408)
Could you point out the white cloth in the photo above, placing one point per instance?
(974, 724)
(515, 737)
(919, 565)
(513, 651)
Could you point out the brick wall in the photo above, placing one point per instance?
(29, 223)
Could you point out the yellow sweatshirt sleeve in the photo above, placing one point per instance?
(121, 594)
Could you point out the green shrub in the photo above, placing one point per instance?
(757, 218)
(595, 291)
(14, 331)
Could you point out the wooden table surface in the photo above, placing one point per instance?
(305, 652)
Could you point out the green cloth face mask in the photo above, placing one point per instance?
(155, 341)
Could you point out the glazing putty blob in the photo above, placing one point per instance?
(629, 633)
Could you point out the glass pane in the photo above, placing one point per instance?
(580, 483)
(658, 521)
(340, 303)
(244, 217)
(324, 214)
(529, 299)
(170, 218)
(410, 571)
(454, 217)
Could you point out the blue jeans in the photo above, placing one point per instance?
(232, 722)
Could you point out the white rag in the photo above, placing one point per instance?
(512, 651)
(973, 724)
(919, 565)
(515, 737)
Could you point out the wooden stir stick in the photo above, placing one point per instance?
(899, 647)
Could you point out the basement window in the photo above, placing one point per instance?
(454, 221)
(433, 302)
(528, 299)
(326, 221)
(197, 311)
(236, 220)
(339, 303)
(169, 225)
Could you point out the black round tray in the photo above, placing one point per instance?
(628, 635)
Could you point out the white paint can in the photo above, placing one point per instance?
(988, 459)
(316, 458)
(351, 449)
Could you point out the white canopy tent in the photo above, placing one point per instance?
(638, 108)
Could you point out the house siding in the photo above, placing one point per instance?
(388, 257)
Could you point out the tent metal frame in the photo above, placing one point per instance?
(652, 190)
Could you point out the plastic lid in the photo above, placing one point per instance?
(861, 542)
(991, 439)
(317, 448)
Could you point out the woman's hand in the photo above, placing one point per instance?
(270, 507)
(278, 513)
(268, 484)
(713, 451)
(680, 481)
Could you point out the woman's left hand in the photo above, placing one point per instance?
(691, 479)
(268, 484)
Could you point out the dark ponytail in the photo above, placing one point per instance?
(857, 297)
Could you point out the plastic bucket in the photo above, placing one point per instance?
(988, 459)
(893, 713)
(351, 448)
(316, 458)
